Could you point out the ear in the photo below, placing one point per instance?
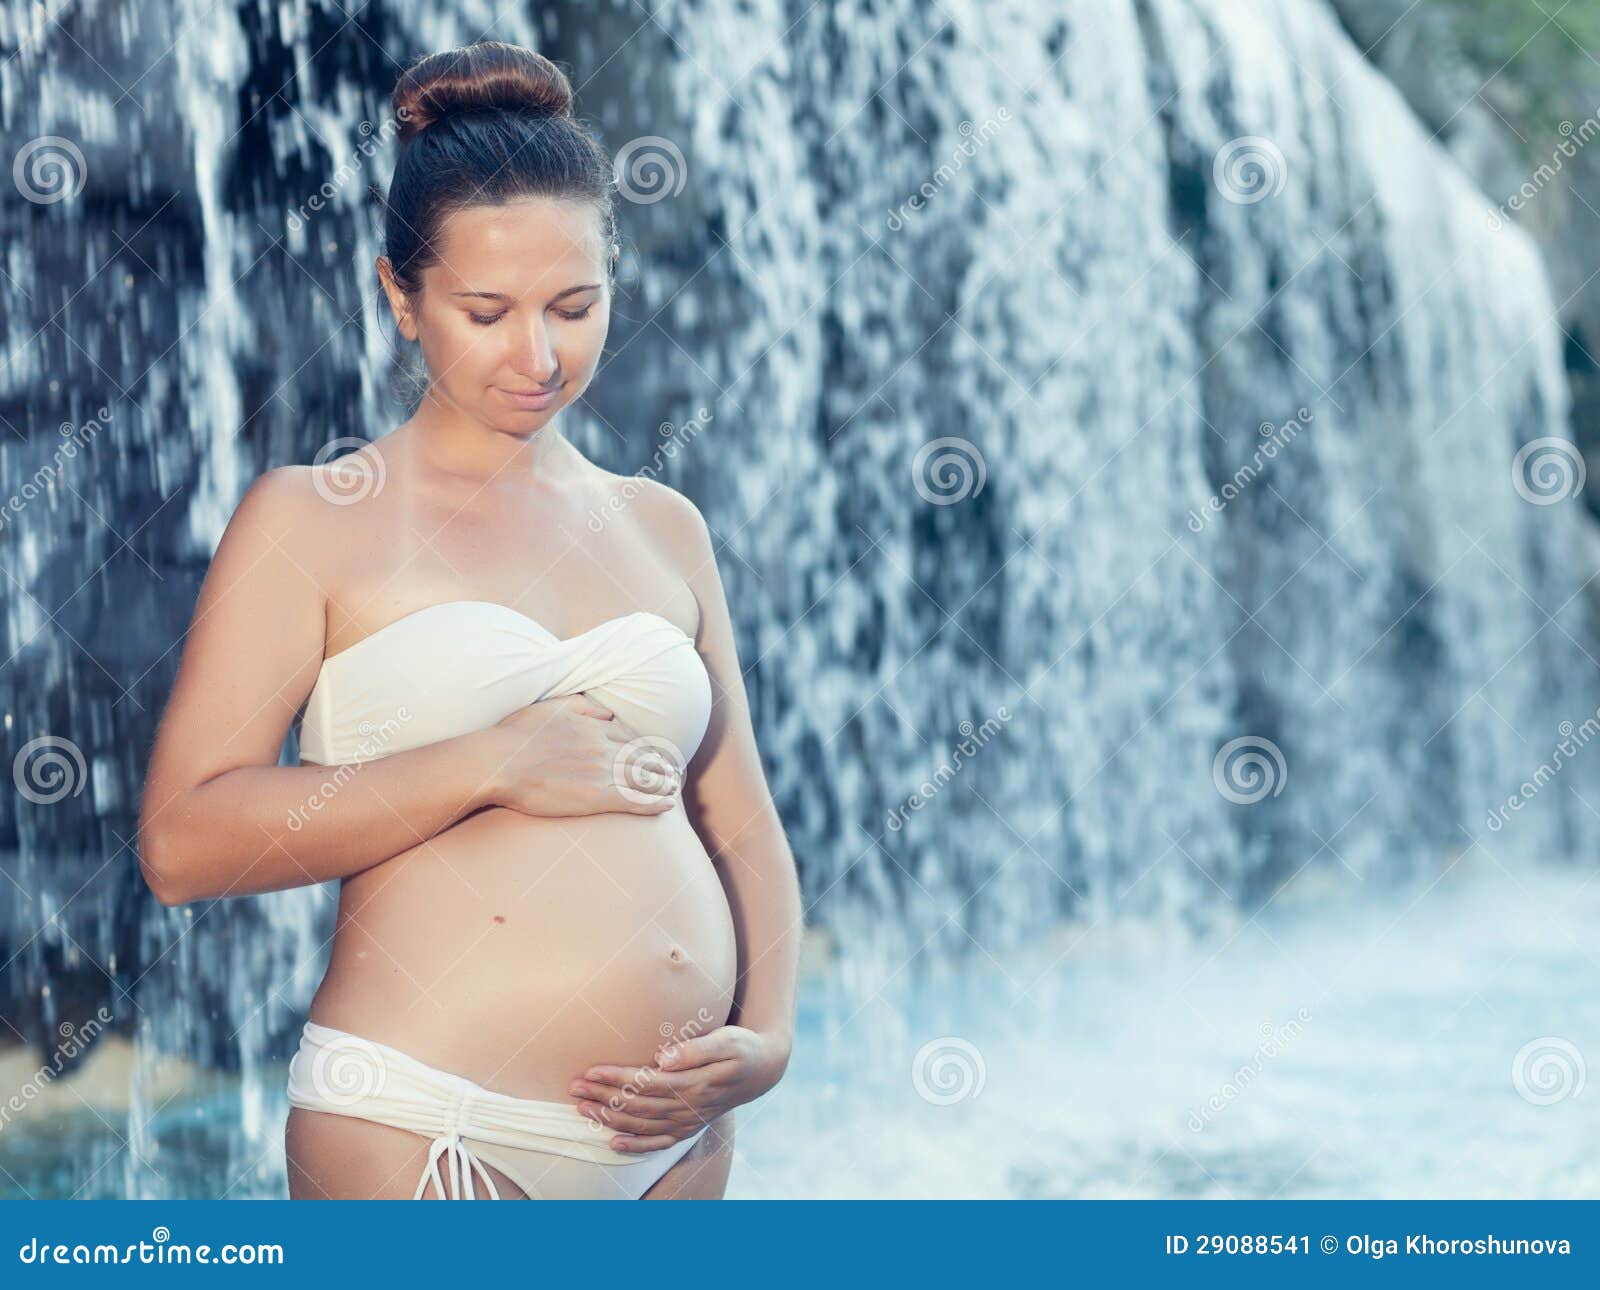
(399, 305)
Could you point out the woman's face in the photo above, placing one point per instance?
(512, 320)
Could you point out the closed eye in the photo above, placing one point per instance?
(488, 320)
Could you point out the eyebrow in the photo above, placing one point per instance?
(500, 295)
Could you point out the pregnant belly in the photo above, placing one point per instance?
(518, 951)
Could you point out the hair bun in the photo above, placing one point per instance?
(484, 77)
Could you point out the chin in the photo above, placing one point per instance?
(525, 422)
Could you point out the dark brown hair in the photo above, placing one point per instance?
(479, 126)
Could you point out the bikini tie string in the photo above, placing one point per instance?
(461, 1162)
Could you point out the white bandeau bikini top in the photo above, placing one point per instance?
(451, 668)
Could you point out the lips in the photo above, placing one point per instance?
(532, 402)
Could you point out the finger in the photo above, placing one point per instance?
(621, 1121)
(663, 785)
(650, 806)
(647, 1104)
(665, 780)
(639, 1078)
(661, 1112)
(723, 1044)
(633, 1144)
(647, 801)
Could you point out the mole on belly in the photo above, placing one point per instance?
(499, 918)
(676, 955)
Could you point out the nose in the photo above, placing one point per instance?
(535, 356)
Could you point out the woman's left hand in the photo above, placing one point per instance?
(690, 1084)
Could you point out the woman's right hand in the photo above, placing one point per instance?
(565, 756)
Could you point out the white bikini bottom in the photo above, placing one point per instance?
(549, 1149)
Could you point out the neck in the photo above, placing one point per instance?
(466, 449)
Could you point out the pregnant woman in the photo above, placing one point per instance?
(568, 918)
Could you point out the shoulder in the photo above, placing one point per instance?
(275, 499)
(672, 511)
(668, 518)
(267, 565)
(288, 506)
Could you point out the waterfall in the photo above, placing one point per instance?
(1114, 441)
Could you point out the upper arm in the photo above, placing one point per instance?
(726, 789)
(252, 649)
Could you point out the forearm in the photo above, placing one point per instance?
(758, 873)
(266, 828)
